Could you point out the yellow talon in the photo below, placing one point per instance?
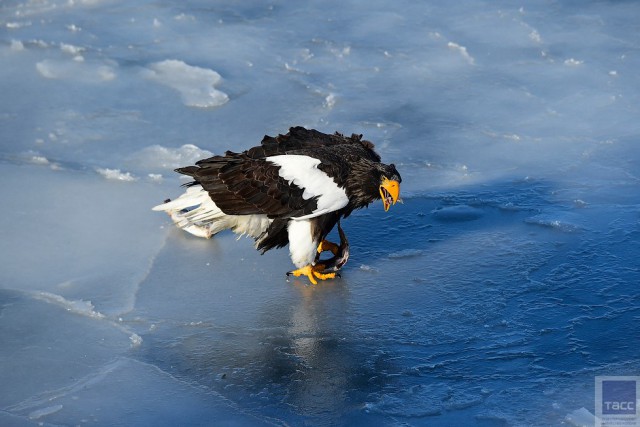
(313, 272)
(305, 271)
(324, 276)
(326, 245)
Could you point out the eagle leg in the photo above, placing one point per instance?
(313, 272)
(326, 245)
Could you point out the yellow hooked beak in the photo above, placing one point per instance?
(390, 192)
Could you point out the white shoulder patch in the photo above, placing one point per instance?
(303, 171)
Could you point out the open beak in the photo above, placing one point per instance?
(390, 192)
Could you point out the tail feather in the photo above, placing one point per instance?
(196, 213)
(192, 197)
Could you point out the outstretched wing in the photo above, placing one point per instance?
(240, 185)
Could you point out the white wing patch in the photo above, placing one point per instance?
(303, 172)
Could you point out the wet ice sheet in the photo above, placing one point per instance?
(68, 231)
(137, 386)
(320, 355)
(509, 273)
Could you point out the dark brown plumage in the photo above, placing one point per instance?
(277, 184)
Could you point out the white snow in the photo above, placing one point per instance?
(84, 308)
(116, 174)
(17, 45)
(71, 49)
(39, 413)
(581, 418)
(157, 157)
(76, 70)
(36, 159)
(493, 296)
(563, 221)
(573, 62)
(195, 84)
(462, 51)
(136, 340)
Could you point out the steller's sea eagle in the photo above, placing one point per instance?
(291, 189)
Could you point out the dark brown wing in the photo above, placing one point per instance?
(245, 183)
(307, 141)
(240, 185)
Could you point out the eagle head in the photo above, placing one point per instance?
(389, 187)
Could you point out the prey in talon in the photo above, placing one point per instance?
(291, 190)
(340, 254)
(327, 269)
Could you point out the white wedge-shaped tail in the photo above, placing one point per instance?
(196, 213)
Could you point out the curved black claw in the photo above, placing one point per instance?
(341, 257)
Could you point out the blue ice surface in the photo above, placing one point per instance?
(493, 296)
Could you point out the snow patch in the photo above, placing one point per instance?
(84, 308)
(84, 2)
(39, 413)
(71, 49)
(16, 25)
(185, 17)
(562, 221)
(462, 51)
(535, 36)
(16, 45)
(116, 174)
(35, 158)
(369, 268)
(580, 418)
(571, 62)
(136, 340)
(195, 84)
(330, 100)
(157, 157)
(76, 70)
(39, 160)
